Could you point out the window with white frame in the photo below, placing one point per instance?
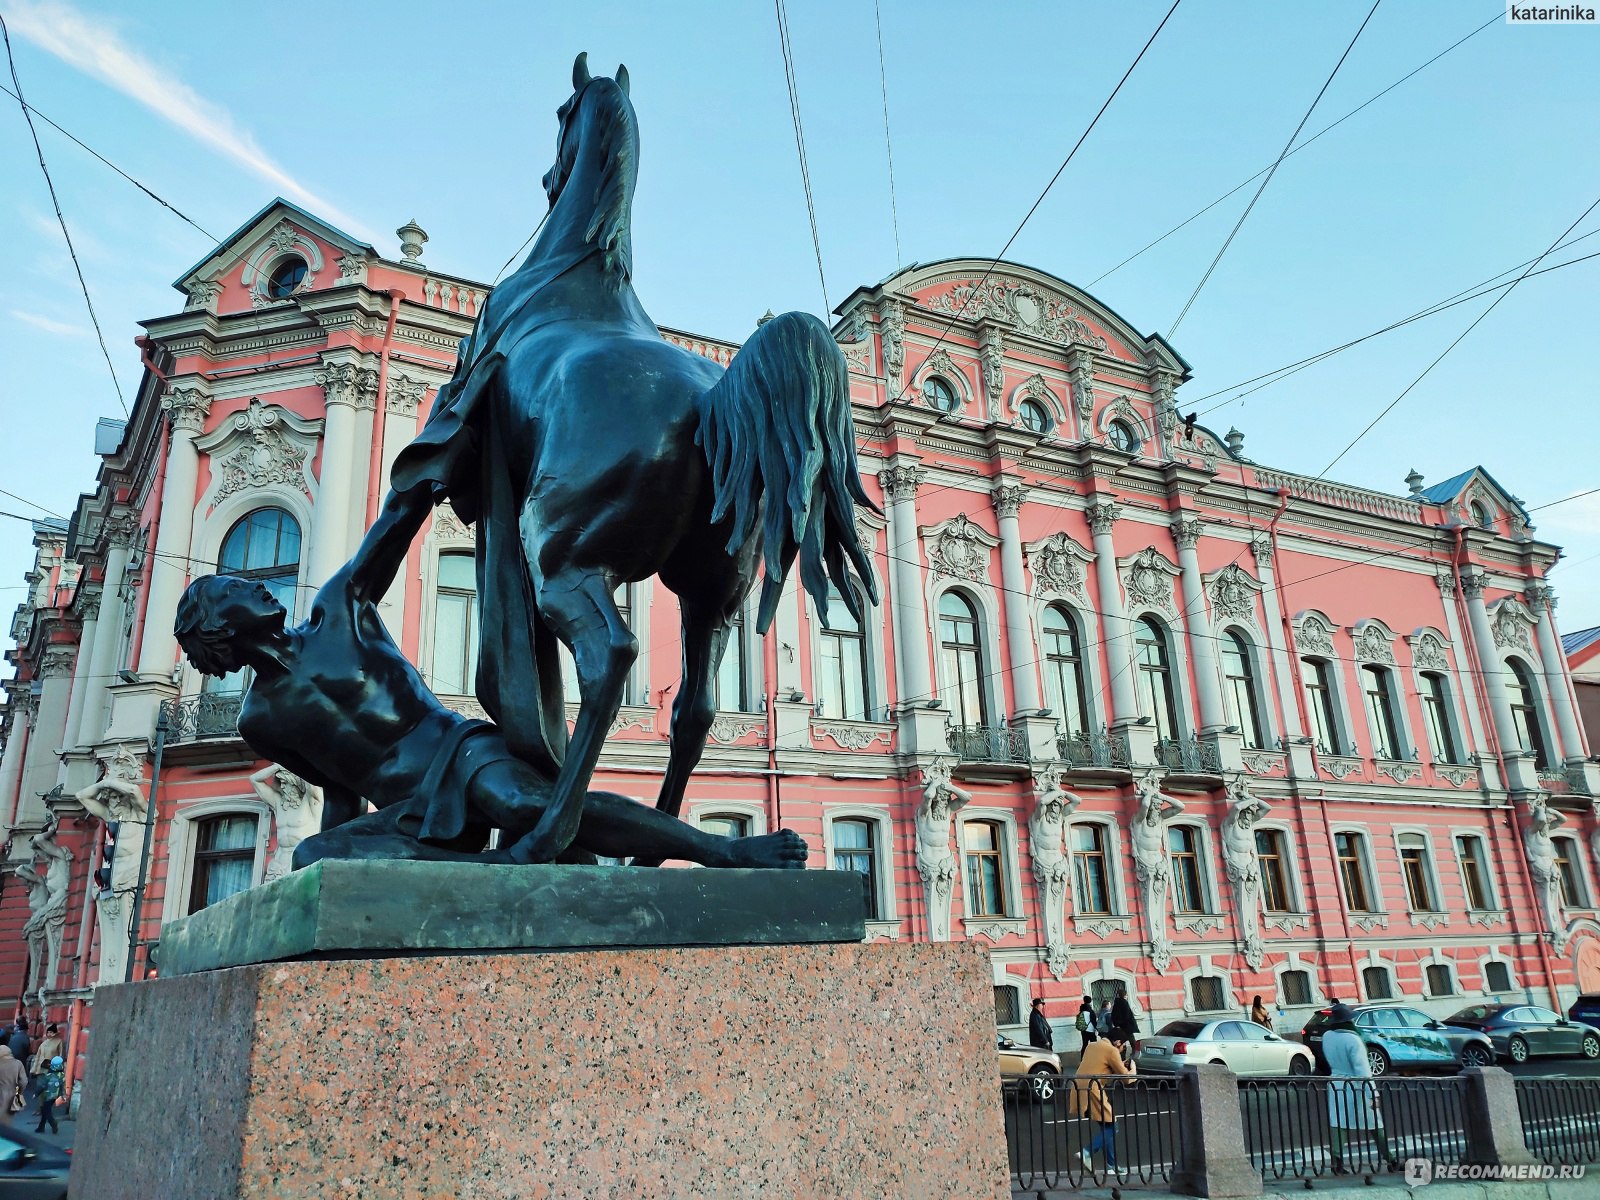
(1295, 986)
(1007, 1005)
(1350, 848)
(1091, 869)
(843, 687)
(1377, 685)
(963, 676)
(1272, 851)
(1238, 672)
(1185, 851)
(1474, 871)
(1496, 976)
(1441, 980)
(264, 547)
(729, 825)
(1435, 694)
(984, 849)
(1155, 677)
(1208, 993)
(730, 690)
(1569, 870)
(1377, 983)
(1063, 670)
(1318, 681)
(1414, 860)
(856, 847)
(455, 624)
(1525, 713)
(223, 860)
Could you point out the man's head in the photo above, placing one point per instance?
(1038, 1004)
(1118, 1038)
(217, 613)
(51, 1029)
(1341, 1014)
(1122, 992)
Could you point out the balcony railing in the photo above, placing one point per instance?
(986, 743)
(1103, 749)
(211, 715)
(1190, 755)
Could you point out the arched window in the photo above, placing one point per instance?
(1376, 682)
(1035, 416)
(730, 692)
(1480, 515)
(455, 624)
(1436, 707)
(961, 658)
(224, 858)
(1120, 435)
(1241, 681)
(1525, 714)
(1155, 678)
(939, 394)
(1063, 670)
(263, 546)
(842, 689)
(986, 872)
(285, 277)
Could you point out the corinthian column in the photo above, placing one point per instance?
(1282, 674)
(343, 387)
(899, 481)
(1186, 532)
(1520, 774)
(1543, 602)
(399, 427)
(1103, 515)
(49, 731)
(186, 409)
(121, 529)
(1008, 499)
(88, 606)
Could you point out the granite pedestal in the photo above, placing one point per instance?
(819, 1067)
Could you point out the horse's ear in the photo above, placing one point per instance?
(622, 78)
(580, 71)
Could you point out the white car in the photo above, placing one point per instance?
(1244, 1047)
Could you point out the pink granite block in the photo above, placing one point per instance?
(766, 1071)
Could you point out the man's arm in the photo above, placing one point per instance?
(384, 548)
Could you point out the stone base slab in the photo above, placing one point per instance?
(842, 1070)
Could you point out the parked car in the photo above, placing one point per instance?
(30, 1167)
(1520, 1031)
(1586, 1009)
(1399, 1038)
(1244, 1047)
(1038, 1071)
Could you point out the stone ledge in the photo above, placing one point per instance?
(336, 909)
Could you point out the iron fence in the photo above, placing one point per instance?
(1103, 749)
(1305, 1128)
(1560, 1119)
(1053, 1142)
(1190, 755)
(987, 743)
(209, 715)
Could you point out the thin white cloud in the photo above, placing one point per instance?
(97, 49)
(63, 328)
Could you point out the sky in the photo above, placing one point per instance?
(375, 115)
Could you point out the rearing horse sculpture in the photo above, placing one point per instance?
(590, 453)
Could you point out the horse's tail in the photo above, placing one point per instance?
(778, 424)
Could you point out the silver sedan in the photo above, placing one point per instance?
(1244, 1047)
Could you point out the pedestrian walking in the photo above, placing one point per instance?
(13, 1083)
(1259, 1014)
(1085, 1022)
(20, 1044)
(1102, 1020)
(1091, 1097)
(47, 1049)
(1039, 1032)
(52, 1082)
(1122, 1014)
(1353, 1106)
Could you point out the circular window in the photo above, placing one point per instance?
(939, 394)
(1480, 515)
(1034, 416)
(1121, 436)
(285, 277)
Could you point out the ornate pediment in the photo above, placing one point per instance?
(1428, 651)
(263, 446)
(1373, 643)
(1059, 567)
(959, 549)
(1512, 623)
(1232, 593)
(1022, 306)
(1313, 634)
(1147, 579)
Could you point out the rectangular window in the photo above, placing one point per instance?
(1350, 849)
(1183, 848)
(1414, 866)
(1496, 977)
(1436, 705)
(1103, 991)
(1319, 703)
(1380, 711)
(1296, 987)
(455, 625)
(1207, 993)
(1469, 853)
(1089, 870)
(1271, 849)
(855, 849)
(224, 859)
(728, 688)
(1439, 983)
(1572, 890)
(1007, 1005)
(986, 891)
(1375, 982)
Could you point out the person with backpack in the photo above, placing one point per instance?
(51, 1084)
(1085, 1023)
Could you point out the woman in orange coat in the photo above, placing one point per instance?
(1091, 1099)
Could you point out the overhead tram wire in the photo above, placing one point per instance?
(1388, 408)
(800, 146)
(1271, 171)
(1494, 20)
(995, 261)
(27, 115)
(888, 145)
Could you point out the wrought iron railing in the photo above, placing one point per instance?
(987, 743)
(1190, 755)
(1051, 1136)
(1289, 1124)
(209, 715)
(1087, 749)
(1560, 1119)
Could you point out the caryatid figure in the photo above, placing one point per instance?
(1150, 863)
(117, 797)
(1243, 861)
(936, 862)
(296, 812)
(1542, 865)
(1047, 824)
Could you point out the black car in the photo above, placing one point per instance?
(1586, 1008)
(30, 1167)
(1521, 1031)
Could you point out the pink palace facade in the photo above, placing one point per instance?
(1136, 709)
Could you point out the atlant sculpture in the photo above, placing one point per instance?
(589, 453)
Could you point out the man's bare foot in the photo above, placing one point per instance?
(784, 851)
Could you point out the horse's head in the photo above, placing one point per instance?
(590, 113)
(598, 133)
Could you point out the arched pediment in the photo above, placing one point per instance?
(260, 446)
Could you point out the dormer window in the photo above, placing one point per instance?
(1120, 436)
(286, 277)
(1480, 515)
(939, 394)
(1035, 417)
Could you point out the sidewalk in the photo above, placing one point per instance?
(1387, 1189)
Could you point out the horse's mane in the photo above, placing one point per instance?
(618, 129)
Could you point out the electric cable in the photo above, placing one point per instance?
(800, 145)
(888, 145)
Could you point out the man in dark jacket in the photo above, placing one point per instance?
(20, 1044)
(1122, 1014)
(1039, 1031)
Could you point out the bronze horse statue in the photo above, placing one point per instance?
(590, 452)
